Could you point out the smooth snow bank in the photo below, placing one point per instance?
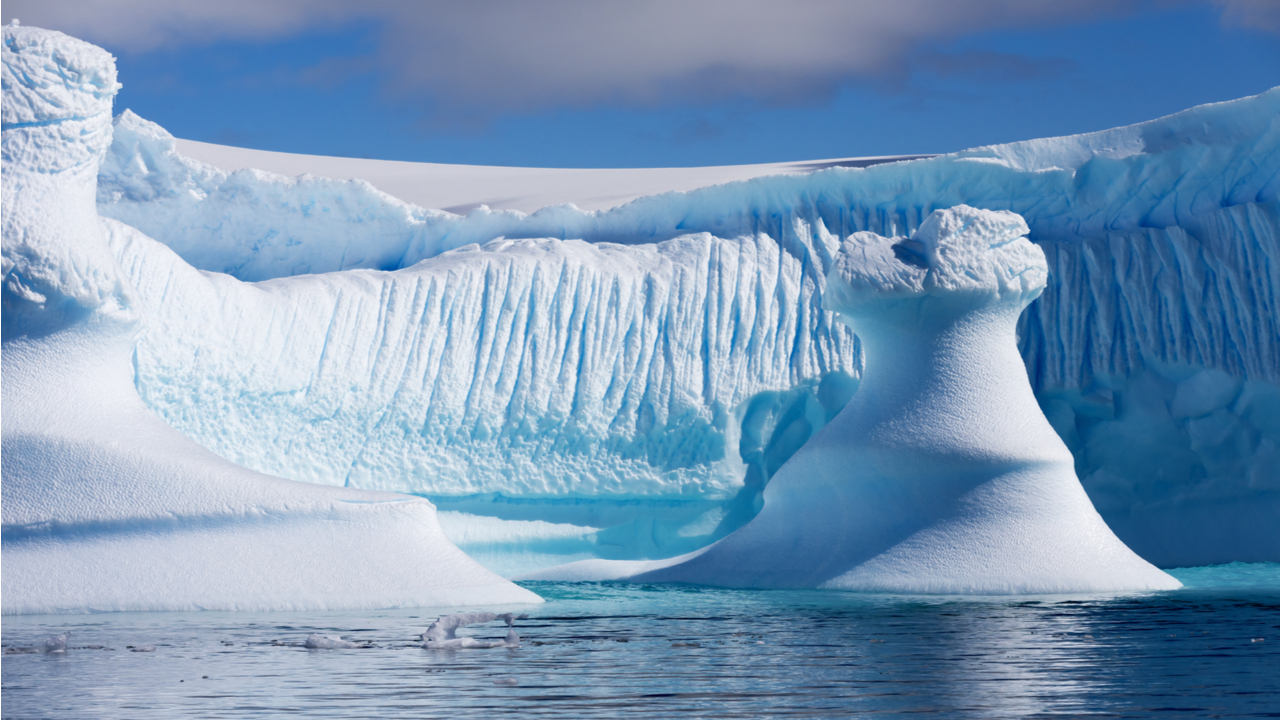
(105, 507)
(645, 370)
(941, 475)
(461, 188)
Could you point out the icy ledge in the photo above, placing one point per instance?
(941, 475)
(105, 507)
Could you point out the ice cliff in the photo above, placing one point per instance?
(624, 383)
(941, 475)
(106, 507)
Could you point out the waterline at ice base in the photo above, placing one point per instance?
(105, 507)
(941, 475)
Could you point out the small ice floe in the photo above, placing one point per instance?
(443, 633)
(325, 642)
(506, 681)
(142, 648)
(53, 643)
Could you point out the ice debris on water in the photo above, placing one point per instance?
(325, 642)
(506, 681)
(53, 643)
(442, 634)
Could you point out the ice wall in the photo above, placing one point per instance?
(941, 475)
(106, 507)
(509, 373)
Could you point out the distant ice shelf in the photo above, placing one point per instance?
(643, 371)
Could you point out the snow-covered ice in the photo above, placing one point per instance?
(106, 507)
(461, 188)
(941, 475)
(644, 370)
(616, 383)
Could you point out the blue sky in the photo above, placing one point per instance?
(582, 83)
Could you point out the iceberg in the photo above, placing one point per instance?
(617, 384)
(105, 506)
(642, 372)
(941, 475)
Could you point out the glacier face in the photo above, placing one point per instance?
(644, 370)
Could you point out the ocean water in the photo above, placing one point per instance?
(613, 650)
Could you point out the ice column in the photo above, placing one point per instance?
(941, 475)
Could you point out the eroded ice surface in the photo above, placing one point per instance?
(443, 633)
(645, 370)
(941, 475)
(106, 507)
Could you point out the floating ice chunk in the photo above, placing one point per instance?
(53, 643)
(325, 642)
(442, 634)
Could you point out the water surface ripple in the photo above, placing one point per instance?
(610, 650)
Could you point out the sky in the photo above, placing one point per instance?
(663, 83)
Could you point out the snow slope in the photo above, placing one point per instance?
(641, 372)
(461, 188)
(941, 475)
(106, 507)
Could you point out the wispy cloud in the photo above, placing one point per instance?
(481, 58)
(1257, 14)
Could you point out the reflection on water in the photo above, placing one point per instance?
(614, 650)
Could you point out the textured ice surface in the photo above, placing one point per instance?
(105, 507)
(443, 633)
(53, 643)
(316, 641)
(941, 475)
(645, 370)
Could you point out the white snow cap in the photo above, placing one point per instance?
(960, 249)
(49, 76)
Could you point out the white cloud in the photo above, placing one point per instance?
(488, 56)
(1258, 14)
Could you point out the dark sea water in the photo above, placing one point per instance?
(611, 650)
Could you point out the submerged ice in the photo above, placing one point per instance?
(941, 475)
